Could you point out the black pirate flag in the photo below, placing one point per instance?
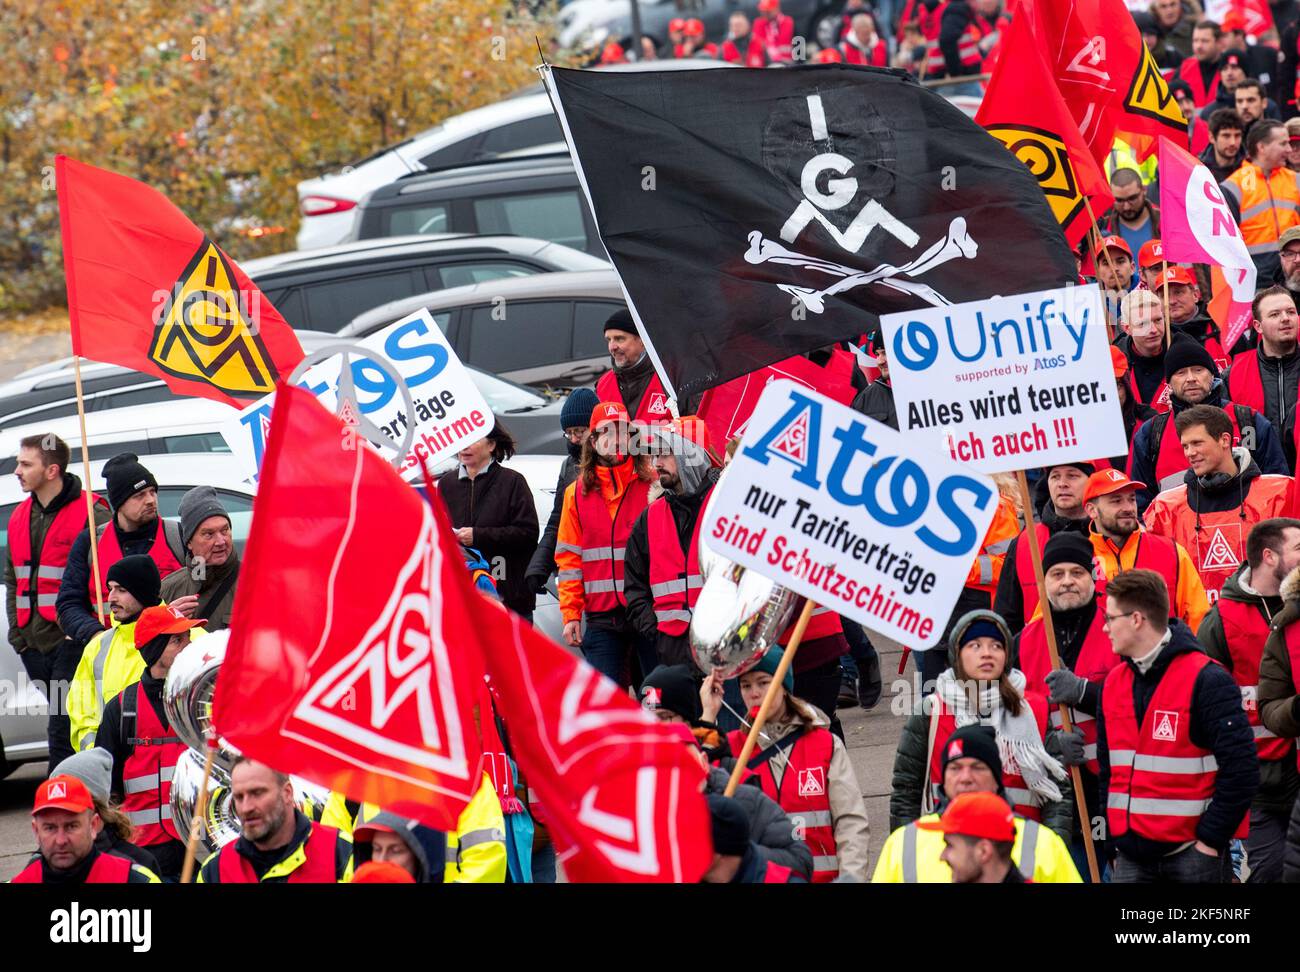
(754, 215)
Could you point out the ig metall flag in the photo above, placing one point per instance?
(755, 215)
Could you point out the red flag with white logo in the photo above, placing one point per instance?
(351, 659)
(622, 791)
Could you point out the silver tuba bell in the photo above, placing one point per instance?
(739, 614)
(187, 700)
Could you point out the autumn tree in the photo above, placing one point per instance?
(226, 106)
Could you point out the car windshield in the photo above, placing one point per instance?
(505, 396)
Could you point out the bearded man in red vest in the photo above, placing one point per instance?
(633, 380)
(1177, 769)
(1233, 634)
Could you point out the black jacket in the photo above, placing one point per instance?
(1009, 600)
(636, 569)
(771, 832)
(877, 401)
(542, 564)
(1219, 172)
(1227, 494)
(1281, 380)
(1147, 372)
(1218, 724)
(1279, 783)
(498, 505)
(957, 17)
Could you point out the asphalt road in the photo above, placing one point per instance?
(871, 738)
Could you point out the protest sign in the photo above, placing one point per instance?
(850, 514)
(1008, 383)
(447, 410)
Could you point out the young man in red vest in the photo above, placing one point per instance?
(1201, 70)
(1223, 495)
(1156, 457)
(1177, 765)
(42, 529)
(1078, 622)
(1267, 377)
(633, 380)
(1233, 634)
(135, 730)
(1016, 598)
(278, 844)
(1143, 343)
(135, 528)
(65, 824)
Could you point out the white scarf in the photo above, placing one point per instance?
(1019, 745)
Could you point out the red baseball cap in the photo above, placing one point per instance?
(766, 5)
(1118, 362)
(1106, 481)
(1115, 243)
(675, 25)
(1176, 275)
(606, 412)
(983, 815)
(382, 872)
(63, 793)
(1233, 20)
(155, 621)
(693, 27)
(1151, 253)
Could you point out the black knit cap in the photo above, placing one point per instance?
(139, 575)
(673, 687)
(125, 477)
(974, 742)
(1067, 548)
(1186, 352)
(730, 825)
(621, 320)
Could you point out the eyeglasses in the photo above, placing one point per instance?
(1290, 254)
(1115, 617)
(576, 433)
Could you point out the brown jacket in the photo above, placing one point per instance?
(181, 582)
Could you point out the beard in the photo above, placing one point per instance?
(268, 825)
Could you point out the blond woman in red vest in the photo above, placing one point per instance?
(805, 768)
(981, 686)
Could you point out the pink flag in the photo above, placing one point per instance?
(1196, 226)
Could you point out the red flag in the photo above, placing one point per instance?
(149, 291)
(1040, 132)
(352, 660)
(622, 791)
(1108, 78)
(726, 408)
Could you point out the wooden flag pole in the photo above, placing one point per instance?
(786, 659)
(200, 812)
(1168, 339)
(85, 491)
(1036, 558)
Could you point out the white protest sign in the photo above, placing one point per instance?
(1007, 383)
(448, 411)
(850, 514)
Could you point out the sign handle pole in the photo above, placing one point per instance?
(761, 719)
(1095, 235)
(200, 812)
(85, 491)
(1166, 290)
(1036, 558)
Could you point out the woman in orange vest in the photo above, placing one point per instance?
(980, 686)
(612, 489)
(801, 765)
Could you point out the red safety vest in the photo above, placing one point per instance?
(107, 869)
(1160, 782)
(604, 542)
(1153, 553)
(1190, 71)
(730, 51)
(1170, 460)
(1159, 402)
(1096, 659)
(1013, 784)
(804, 793)
(60, 534)
(147, 772)
(968, 49)
(675, 579)
(318, 868)
(1245, 629)
(824, 623)
(928, 20)
(1245, 385)
(875, 56)
(110, 552)
(654, 403)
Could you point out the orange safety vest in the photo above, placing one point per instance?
(1245, 629)
(1017, 790)
(107, 869)
(49, 566)
(654, 403)
(147, 772)
(110, 552)
(318, 868)
(1153, 553)
(604, 542)
(1217, 541)
(1269, 205)
(807, 801)
(674, 574)
(1096, 659)
(1160, 781)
